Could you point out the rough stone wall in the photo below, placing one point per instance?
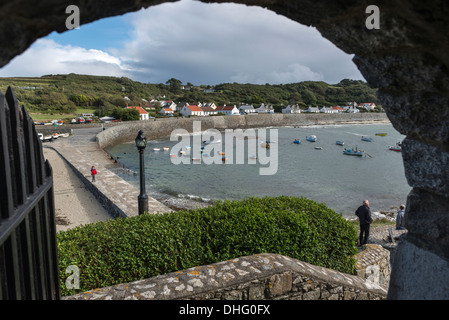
(373, 264)
(406, 59)
(258, 277)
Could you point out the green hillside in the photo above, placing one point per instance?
(71, 94)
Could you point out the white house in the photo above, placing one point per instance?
(265, 109)
(166, 111)
(143, 114)
(326, 110)
(291, 109)
(168, 104)
(351, 109)
(247, 108)
(191, 110)
(208, 111)
(312, 109)
(368, 106)
(337, 109)
(228, 110)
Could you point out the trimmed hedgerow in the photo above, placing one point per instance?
(125, 250)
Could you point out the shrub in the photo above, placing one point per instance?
(125, 250)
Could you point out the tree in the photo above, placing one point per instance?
(175, 85)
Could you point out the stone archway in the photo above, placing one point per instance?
(406, 59)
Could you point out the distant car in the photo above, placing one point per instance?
(116, 120)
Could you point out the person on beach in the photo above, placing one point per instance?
(400, 218)
(93, 173)
(364, 214)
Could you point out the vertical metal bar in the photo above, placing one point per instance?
(6, 191)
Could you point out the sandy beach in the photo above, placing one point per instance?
(74, 205)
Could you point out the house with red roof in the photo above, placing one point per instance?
(228, 110)
(143, 114)
(191, 110)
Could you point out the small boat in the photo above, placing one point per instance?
(311, 138)
(397, 148)
(340, 143)
(172, 155)
(319, 148)
(182, 152)
(265, 145)
(367, 139)
(381, 134)
(297, 141)
(352, 152)
(166, 148)
(252, 157)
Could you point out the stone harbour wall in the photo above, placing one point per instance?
(162, 128)
(258, 277)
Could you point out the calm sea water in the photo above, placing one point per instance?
(326, 175)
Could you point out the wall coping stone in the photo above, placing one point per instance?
(202, 282)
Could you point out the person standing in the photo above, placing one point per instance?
(93, 173)
(400, 218)
(365, 219)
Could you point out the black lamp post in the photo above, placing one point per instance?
(141, 143)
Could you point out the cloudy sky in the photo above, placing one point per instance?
(193, 42)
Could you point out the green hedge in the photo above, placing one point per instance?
(125, 250)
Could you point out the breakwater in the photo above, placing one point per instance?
(162, 128)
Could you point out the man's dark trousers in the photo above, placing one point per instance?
(364, 233)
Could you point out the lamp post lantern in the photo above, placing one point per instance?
(141, 143)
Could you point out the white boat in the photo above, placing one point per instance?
(166, 148)
(367, 139)
(311, 138)
(156, 149)
(319, 148)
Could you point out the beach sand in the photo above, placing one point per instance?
(74, 205)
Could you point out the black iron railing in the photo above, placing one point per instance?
(28, 251)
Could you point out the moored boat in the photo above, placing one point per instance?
(297, 141)
(340, 143)
(381, 134)
(367, 139)
(352, 152)
(311, 138)
(396, 148)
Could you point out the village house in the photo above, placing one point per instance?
(337, 109)
(168, 104)
(228, 110)
(326, 110)
(143, 114)
(166, 111)
(208, 111)
(265, 109)
(246, 108)
(368, 106)
(191, 110)
(312, 109)
(291, 109)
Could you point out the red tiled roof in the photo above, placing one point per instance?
(140, 109)
(193, 107)
(224, 108)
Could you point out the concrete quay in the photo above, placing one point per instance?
(81, 152)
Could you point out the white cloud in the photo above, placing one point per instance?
(215, 43)
(48, 57)
(199, 43)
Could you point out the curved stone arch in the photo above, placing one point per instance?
(406, 59)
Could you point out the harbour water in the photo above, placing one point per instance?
(325, 175)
